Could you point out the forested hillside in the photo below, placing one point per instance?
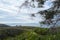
(4, 25)
(29, 33)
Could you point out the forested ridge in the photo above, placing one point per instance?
(29, 33)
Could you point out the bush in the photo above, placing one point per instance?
(41, 31)
(9, 33)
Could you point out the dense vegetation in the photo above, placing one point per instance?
(29, 33)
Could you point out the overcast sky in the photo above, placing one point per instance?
(9, 12)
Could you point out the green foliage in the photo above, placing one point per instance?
(4, 33)
(41, 31)
(26, 36)
(29, 33)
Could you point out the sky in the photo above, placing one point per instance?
(11, 13)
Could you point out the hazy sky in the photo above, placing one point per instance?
(9, 12)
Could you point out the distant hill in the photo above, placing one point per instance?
(4, 25)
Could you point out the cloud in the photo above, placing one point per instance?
(2, 16)
(10, 8)
(48, 4)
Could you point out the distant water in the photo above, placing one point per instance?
(24, 24)
(31, 24)
(27, 24)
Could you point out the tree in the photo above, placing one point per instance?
(48, 14)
